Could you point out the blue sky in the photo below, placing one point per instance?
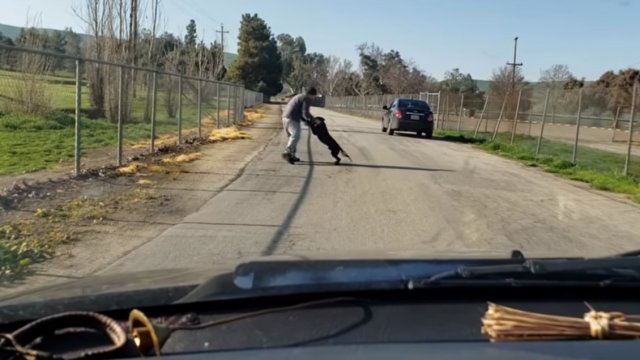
(590, 36)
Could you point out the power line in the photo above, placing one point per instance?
(203, 12)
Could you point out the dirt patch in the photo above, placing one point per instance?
(76, 226)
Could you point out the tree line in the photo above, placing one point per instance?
(120, 32)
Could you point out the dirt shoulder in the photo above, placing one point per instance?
(94, 220)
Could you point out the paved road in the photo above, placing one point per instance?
(401, 193)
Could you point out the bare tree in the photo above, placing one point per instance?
(29, 94)
(337, 71)
(556, 75)
(500, 88)
(151, 61)
(113, 26)
(94, 14)
(501, 81)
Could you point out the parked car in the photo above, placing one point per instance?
(409, 115)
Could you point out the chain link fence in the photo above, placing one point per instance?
(576, 126)
(101, 111)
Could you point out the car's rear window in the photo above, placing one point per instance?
(413, 104)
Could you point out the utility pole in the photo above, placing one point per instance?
(221, 32)
(514, 64)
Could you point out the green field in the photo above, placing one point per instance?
(35, 142)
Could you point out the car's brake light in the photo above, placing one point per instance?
(430, 118)
(397, 114)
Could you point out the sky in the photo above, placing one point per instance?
(476, 36)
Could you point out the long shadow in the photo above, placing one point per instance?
(372, 166)
(349, 131)
(288, 220)
(448, 138)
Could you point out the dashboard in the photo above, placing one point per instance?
(438, 323)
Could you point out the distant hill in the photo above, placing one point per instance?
(13, 32)
(229, 58)
(483, 85)
(10, 31)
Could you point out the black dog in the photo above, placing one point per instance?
(319, 129)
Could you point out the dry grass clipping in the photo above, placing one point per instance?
(228, 133)
(182, 158)
(160, 141)
(130, 168)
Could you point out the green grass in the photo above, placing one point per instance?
(31, 143)
(35, 142)
(601, 169)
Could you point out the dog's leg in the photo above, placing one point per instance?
(334, 153)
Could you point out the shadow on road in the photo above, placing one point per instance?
(448, 138)
(288, 220)
(372, 166)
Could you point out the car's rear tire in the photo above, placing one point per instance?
(419, 134)
(429, 134)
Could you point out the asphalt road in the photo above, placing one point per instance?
(400, 194)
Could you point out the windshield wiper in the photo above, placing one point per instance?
(603, 269)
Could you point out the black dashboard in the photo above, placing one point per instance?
(439, 322)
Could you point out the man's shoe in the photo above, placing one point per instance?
(295, 159)
(287, 157)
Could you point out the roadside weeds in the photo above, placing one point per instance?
(60, 219)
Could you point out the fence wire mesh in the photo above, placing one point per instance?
(38, 106)
(566, 126)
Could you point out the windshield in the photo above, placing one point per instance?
(413, 104)
(145, 139)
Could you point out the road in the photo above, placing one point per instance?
(401, 194)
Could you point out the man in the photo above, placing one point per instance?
(297, 110)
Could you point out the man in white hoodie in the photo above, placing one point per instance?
(296, 111)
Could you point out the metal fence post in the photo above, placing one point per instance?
(438, 110)
(120, 120)
(627, 159)
(76, 168)
(495, 130)
(460, 114)
(515, 118)
(242, 104)
(544, 118)
(486, 101)
(217, 105)
(574, 159)
(199, 108)
(228, 104)
(180, 109)
(235, 105)
(446, 112)
(154, 95)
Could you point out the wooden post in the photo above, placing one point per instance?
(495, 130)
(544, 118)
(460, 114)
(486, 101)
(615, 124)
(515, 118)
